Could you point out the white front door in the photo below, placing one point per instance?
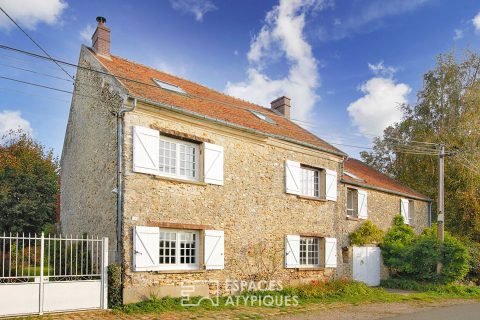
(366, 265)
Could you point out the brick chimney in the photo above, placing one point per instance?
(101, 38)
(282, 105)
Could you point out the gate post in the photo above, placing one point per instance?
(42, 256)
(104, 274)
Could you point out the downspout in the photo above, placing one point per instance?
(430, 214)
(120, 115)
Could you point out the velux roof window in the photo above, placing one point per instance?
(168, 86)
(262, 117)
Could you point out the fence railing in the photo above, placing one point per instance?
(26, 258)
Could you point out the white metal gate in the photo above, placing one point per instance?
(366, 265)
(48, 274)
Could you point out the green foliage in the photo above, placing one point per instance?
(415, 257)
(396, 247)
(367, 233)
(447, 111)
(28, 184)
(454, 290)
(474, 269)
(115, 286)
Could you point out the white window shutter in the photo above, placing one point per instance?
(292, 177)
(292, 251)
(146, 150)
(213, 163)
(331, 184)
(362, 204)
(214, 249)
(146, 244)
(404, 208)
(330, 252)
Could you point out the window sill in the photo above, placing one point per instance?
(311, 198)
(198, 183)
(352, 218)
(310, 269)
(179, 271)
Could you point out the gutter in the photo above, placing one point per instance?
(119, 114)
(366, 186)
(236, 126)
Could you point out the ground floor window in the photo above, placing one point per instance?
(178, 249)
(309, 251)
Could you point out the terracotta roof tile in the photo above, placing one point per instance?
(207, 102)
(371, 177)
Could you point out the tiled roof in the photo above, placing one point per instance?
(370, 177)
(207, 102)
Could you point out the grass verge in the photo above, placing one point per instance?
(338, 291)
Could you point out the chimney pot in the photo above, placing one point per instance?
(101, 38)
(282, 105)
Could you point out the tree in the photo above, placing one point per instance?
(447, 111)
(28, 184)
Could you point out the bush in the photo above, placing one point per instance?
(425, 253)
(367, 233)
(115, 286)
(441, 289)
(455, 259)
(396, 247)
(474, 268)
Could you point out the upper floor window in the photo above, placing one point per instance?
(178, 158)
(160, 155)
(352, 203)
(407, 209)
(311, 182)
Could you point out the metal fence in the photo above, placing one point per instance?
(25, 257)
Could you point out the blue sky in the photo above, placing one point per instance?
(345, 64)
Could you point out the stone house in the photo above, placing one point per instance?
(191, 185)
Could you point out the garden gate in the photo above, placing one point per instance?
(42, 274)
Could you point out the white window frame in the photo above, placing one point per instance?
(178, 144)
(307, 251)
(411, 211)
(317, 189)
(353, 212)
(177, 265)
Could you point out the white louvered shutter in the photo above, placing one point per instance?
(330, 252)
(145, 150)
(214, 249)
(146, 244)
(331, 184)
(292, 251)
(292, 177)
(404, 210)
(213, 163)
(362, 204)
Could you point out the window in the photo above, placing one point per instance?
(309, 251)
(178, 158)
(411, 211)
(310, 185)
(169, 86)
(352, 202)
(178, 249)
(262, 117)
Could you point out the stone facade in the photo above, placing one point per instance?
(382, 207)
(251, 207)
(88, 163)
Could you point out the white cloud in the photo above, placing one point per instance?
(87, 33)
(12, 120)
(29, 13)
(380, 106)
(476, 22)
(458, 34)
(282, 35)
(380, 69)
(196, 7)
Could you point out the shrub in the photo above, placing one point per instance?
(115, 286)
(367, 233)
(474, 268)
(455, 259)
(396, 247)
(425, 253)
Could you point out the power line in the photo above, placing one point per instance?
(36, 43)
(36, 72)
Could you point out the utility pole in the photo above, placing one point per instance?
(441, 207)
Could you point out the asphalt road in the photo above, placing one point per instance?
(457, 312)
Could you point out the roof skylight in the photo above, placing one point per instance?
(351, 175)
(169, 86)
(262, 117)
